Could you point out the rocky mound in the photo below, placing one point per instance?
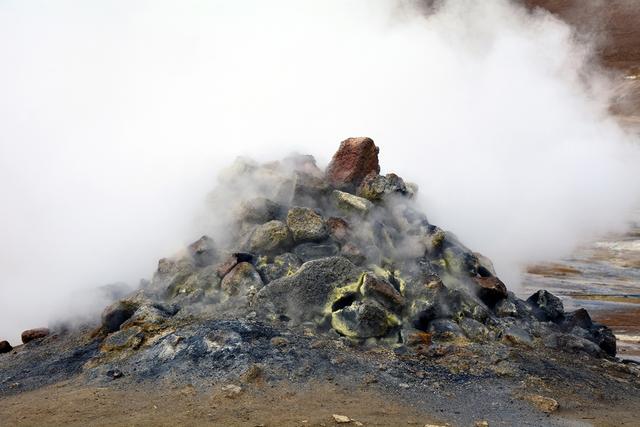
(347, 252)
(337, 278)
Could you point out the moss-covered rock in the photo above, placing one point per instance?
(376, 187)
(306, 225)
(130, 339)
(364, 319)
(383, 292)
(274, 236)
(305, 294)
(351, 204)
(242, 277)
(281, 266)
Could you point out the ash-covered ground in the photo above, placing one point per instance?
(336, 277)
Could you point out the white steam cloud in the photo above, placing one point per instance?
(115, 117)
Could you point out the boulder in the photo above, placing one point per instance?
(512, 306)
(281, 266)
(436, 301)
(362, 320)
(306, 225)
(310, 251)
(259, 210)
(474, 330)
(150, 314)
(195, 283)
(383, 292)
(351, 204)
(242, 277)
(117, 313)
(170, 275)
(505, 308)
(604, 337)
(312, 290)
(338, 229)
(518, 336)
(572, 343)
(5, 347)
(546, 306)
(579, 318)
(34, 334)
(490, 289)
(376, 187)
(355, 159)
(274, 236)
(202, 251)
(445, 329)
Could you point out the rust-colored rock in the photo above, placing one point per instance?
(383, 292)
(355, 159)
(338, 229)
(34, 334)
(491, 289)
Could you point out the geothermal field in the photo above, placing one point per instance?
(288, 213)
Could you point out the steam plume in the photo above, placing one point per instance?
(116, 116)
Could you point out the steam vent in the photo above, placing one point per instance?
(344, 252)
(334, 287)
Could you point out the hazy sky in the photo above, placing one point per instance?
(115, 117)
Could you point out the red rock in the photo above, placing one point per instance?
(355, 159)
(5, 347)
(34, 334)
(338, 229)
(491, 289)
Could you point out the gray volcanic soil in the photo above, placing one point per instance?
(459, 385)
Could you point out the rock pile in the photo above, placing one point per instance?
(346, 250)
(349, 250)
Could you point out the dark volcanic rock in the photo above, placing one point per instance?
(271, 237)
(579, 318)
(383, 292)
(361, 320)
(5, 347)
(355, 159)
(34, 334)
(307, 293)
(376, 187)
(546, 306)
(572, 343)
(604, 337)
(490, 289)
(116, 314)
(310, 251)
(203, 251)
(282, 265)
